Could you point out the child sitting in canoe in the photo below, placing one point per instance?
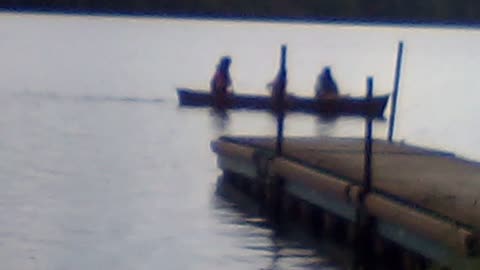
(325, 86)
(220, 85)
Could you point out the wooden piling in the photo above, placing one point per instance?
(279, 93)
(329, 223)
(367, 180)
(364, 251)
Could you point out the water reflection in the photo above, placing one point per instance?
(88, 98)
(325, 125)
(286, 248)
(220, 120)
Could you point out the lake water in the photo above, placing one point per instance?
(100, 169)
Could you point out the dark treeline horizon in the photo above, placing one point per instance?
(455, 11)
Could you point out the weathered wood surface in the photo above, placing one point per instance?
(435, 181)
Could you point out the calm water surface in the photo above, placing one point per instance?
(99, 168)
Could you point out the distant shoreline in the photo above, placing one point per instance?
(265, 19)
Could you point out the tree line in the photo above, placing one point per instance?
(462, 11)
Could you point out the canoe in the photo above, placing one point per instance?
(342, 105)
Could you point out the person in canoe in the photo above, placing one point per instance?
(276, 87)
(221, 83)
(279, 100)
(326, 87)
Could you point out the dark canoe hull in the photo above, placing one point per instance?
(342, 105)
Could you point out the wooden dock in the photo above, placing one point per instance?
(425, 201)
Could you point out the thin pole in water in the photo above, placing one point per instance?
(395, 91)
(279, 92)
(365, 224)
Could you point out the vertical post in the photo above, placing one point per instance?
(279, 142)
(367, 176)
(395, 91)
(365, 223)
(279, 93)
(276, 185)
